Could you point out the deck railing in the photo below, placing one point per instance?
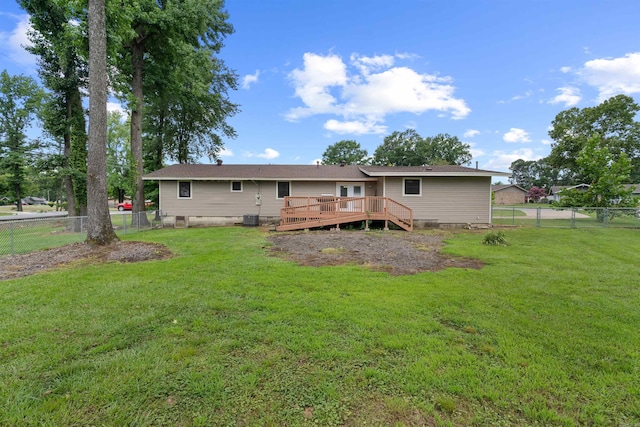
(318, 211)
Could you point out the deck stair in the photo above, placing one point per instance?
(320, 211)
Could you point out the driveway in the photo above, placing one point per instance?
(551, 213)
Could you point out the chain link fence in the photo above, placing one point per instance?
(548, 217)
(28, 235)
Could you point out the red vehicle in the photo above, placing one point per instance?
(125, 206)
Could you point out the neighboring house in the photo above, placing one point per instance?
(510, 194)
(555, 193)
(207, 194)
(636, 189)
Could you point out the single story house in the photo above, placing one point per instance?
(210, 194)
(510, 194)
(556, 191)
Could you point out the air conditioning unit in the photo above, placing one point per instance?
(251, 220)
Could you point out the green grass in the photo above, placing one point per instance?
(19, 237)
(545, 334)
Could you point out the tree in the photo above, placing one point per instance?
(119, 162)
(345, 151)
(162, 36)
(613, 122)
(408, 148)
(99, 227)
(605, 173)
(399, 149)
(538, 173)
(536, 193)
(20, 100)
(449, 150)
(63, 70)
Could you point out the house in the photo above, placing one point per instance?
(636, 189)
(555, 192)
(209, 194)
(511, 194)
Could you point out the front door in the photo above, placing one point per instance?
(350, 190)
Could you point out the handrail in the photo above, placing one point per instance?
(316, 211)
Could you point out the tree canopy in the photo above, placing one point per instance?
(20, 101)
(613, 122)
(345, 151)
(408, 148)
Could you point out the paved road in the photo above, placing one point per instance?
(32, 215)
(549, 213)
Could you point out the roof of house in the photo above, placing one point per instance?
(636, 188)
(558, 188)
(495, 188)
(306, 172)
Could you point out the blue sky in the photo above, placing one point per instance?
(492, 73)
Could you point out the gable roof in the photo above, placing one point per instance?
(305, 172)
(495, 188)
(559, 188)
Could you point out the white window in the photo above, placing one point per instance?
(412, 187)
(184, 189)
(236, 186)
(283, 189)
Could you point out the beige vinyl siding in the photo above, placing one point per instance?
(449, 200)
(215, 198)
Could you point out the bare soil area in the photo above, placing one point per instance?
(396, 252)
(13, 266)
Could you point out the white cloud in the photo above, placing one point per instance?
(475, 152)
(269, 153)
(249, 79)
(225, 152)
(407, 55)
(116, 106)
(502, 160)
(369, 90)
(354, 127)
(13, 42)
(613, 76)
(313, 84)
(569, 96)
(470, 133)
(317, 161)
(565, 69)
(545, 142)
(367, 64)
(516, 135)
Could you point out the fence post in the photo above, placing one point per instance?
(606, 218)
(538, 215)
(11, 237)
(573, 217)
(124, 223)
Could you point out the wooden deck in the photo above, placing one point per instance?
(309, 212)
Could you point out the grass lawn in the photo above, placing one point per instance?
(547, 333)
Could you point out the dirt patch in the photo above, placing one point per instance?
(397, 253)
(13, 266)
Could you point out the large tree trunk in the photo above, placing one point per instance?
(99, 227)
(138, 208)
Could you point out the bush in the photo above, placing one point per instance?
(495, 239)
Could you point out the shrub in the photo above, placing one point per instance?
(495, 239)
